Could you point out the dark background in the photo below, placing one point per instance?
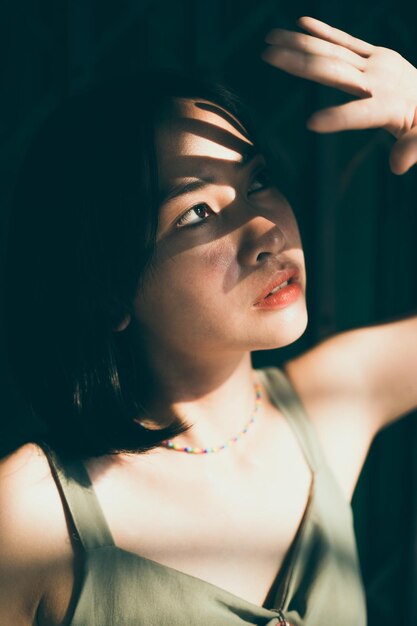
(358, 221)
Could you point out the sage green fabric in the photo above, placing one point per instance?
(319, 583)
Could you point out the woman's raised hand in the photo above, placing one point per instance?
(384, 82)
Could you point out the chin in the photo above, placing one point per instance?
(282, 331)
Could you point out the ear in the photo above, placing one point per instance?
(123, 324)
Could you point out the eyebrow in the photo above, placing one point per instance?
(195, 183)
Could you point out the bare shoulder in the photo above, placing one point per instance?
(330, 371)
(25, 484)
(370, 370)
(329, 379)
(35, 546)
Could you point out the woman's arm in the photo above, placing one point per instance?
(385, 84)
(20, 583)
(354, 384)
(374, 367)
(36, 558)
(357, 382)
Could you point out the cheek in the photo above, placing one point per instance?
(294, 236)
(195, 273)
(221, 262)
(289, 226)
(180, 300)
(208, 272)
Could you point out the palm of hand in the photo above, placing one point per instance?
(384, 81)
(392, 84)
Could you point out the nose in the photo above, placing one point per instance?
(262, 240)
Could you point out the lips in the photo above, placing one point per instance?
(289, 275)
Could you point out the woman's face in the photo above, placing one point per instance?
(226, 238)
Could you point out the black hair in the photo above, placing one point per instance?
(82, 234)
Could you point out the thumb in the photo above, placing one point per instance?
(404, 152)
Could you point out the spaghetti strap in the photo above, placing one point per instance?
(284, 396)
(78, 496)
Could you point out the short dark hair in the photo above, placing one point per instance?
(82, 233)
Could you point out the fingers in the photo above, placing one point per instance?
(327, 71)
(334, 35)
(359, 114)
(313, 45)
(404, 153)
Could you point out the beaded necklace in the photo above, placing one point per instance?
(169, 443)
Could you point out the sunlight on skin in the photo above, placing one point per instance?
(383, 80)
(196, 308)
(240, 229)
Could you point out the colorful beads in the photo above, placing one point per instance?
(169, 443)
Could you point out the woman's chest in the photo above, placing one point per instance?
(231, 529)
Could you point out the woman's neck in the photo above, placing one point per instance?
(214, 395)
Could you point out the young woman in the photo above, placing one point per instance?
(150, 253)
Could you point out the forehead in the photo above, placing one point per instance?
(196, 133)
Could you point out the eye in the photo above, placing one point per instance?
(194, 216)
(261, 181)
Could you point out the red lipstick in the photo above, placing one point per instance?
(282, 291)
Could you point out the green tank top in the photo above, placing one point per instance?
(319, 583)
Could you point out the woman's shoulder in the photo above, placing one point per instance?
(23, 460)
(25, 485)
(35, 547)
(330, 382)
